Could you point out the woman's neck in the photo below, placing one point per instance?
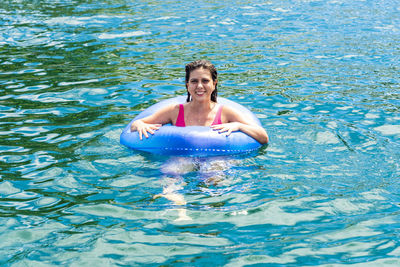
(199, 113)
(203, 106)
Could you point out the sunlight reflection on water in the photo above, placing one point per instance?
(322, 77)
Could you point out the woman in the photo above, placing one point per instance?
(201, 108)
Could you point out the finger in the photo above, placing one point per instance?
(229, 132)
(140, 135)
(223, 130)
(145, 133)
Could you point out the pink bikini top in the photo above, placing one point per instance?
(180, 121)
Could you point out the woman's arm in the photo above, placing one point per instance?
(238, 122)
(153, 122)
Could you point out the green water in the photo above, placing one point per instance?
(322, 77)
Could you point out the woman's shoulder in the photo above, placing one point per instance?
(232, 114)
(168, 111)
(170, 107)
(174, 109)
(226, 109)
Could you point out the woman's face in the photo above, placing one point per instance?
(200, 84)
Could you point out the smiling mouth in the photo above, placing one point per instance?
(200, 92)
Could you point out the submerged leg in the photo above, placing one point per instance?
(173, 182)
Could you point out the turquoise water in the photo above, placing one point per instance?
(322, 76)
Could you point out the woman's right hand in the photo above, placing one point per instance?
(142, 128)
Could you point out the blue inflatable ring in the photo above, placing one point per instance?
(190, 140)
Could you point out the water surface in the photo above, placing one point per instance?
(322, 76)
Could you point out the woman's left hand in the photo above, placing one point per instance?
(227, 128)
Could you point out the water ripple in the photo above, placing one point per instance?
(322, 77)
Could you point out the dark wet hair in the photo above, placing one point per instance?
(205, 64)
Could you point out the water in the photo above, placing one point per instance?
(322, 76)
